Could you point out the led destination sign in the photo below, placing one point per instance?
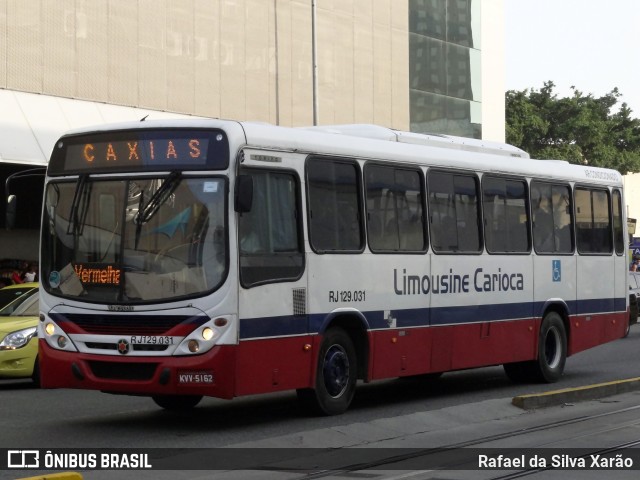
(97, 274)
(151, 149)
(143, 150)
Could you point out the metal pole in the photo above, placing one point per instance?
(314, 60)
(275, 13)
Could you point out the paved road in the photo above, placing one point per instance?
(461, 406)
(70, 418)
(575, 441)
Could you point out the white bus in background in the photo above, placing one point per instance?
(191, 258)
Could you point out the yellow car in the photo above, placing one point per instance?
(18, 338)
(13, 295)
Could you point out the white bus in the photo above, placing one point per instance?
(197, 258)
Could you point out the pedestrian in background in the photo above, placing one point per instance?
(29, 274)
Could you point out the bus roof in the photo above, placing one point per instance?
(377, 142)
(433, 140)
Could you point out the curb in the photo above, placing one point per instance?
(588, 392)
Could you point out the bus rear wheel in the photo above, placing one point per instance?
(177, 402)
(552, 354)
(335, 376)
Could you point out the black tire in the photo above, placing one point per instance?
(335, 376)
(177, 402)
(552, 349)
(35, 376)
(633, 313)
(627, 328)
(552, 355)
(518, 372)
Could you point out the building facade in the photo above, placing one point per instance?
(422, 65)
(405, 64)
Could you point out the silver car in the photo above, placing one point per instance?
(634, 299)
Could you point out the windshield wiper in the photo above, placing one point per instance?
(164, 191)
(146, 211)
(79, 206)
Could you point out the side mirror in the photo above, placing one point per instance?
(244, 193)
(10, 219)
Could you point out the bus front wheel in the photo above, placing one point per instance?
(177, 402)
(335, 376)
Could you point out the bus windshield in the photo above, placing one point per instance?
(134, 240)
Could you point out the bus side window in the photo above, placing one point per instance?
(269, 237)
(563, 218)
(505, 215)
(593, 220)
(552, 218)
(618, 227)
(335, 220)
(454, 212)
(395, 210)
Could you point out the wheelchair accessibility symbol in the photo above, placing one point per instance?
(556, 269)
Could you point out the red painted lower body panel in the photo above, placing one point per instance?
(227, 371)
(286, 363)
(403, 352)
(273, 365)
(592, 330)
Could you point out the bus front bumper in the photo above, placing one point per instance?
(209, 374)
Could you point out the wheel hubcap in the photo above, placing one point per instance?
(552, 348)
(336, 370)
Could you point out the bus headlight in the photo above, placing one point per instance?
(207, 333)
(55, 337)
(203, 338)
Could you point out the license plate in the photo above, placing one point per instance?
(151, 340)
(195, 377)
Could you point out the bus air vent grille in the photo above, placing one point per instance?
(299, 301)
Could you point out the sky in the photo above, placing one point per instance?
(593, 45)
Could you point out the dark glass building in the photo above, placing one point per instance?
(444, 67)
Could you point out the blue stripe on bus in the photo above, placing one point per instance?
(287, 325)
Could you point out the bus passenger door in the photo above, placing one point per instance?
(595, 271)
(556, 274)
(272, 353)
(621, 260)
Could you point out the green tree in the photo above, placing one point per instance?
(580, 129)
